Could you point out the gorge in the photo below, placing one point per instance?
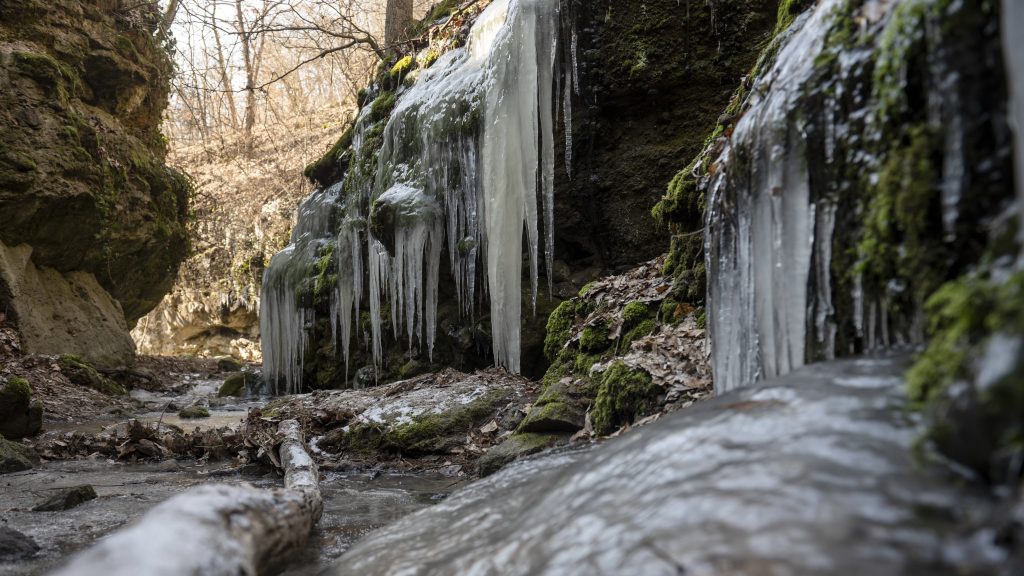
(476, 339)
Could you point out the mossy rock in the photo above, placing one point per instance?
(513, 448)
(15, 457)
(554, 411)
(229, 364)
(235, 384)
(20, 416)
(624, 396)
(193, 412)
(82, 374)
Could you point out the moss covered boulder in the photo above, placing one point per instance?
(15, 457)
(513, 448)
(83, 374)
(237, 383)
(20, 415)
(83, 182)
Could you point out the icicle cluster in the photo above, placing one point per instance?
(467, 164)
(763, 227)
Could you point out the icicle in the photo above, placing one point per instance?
(762, 227)
(1013, 52)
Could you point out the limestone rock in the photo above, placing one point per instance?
(82, 176)
(62, 313)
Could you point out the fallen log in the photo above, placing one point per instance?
(217, 529)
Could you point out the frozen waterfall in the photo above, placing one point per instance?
(466, 165)
(763, 226)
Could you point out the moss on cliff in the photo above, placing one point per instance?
(90, 172)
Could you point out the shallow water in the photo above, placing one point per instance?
(353, 505)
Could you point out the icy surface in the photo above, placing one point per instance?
(811, 473)
(467, 166)
(762, 227)
(1013, 50)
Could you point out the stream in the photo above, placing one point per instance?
(355, 503)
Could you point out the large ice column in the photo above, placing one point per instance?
(763, 225)
(511, 158)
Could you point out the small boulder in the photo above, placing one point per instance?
(66, 499)
(555, 411)
(228, 364)
(235, 384)
(513, 448)
(82, 374)
(194, 412)
(16, 546)
(20, 416)
(15, 457)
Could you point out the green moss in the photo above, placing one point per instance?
(514, 447)
(234, 384)
(429, 57)
(82, 374)
(192, 412)
(330, 166)
(903, 236)
(559, 328)
(594, 338)
(624, 396)
(403, 66)
(642, 329)
(431, 432)
(635, 313)
(787, 13)
(586, 288)
(671, 311)
(382, 106)
(326, 272)
(16, 392)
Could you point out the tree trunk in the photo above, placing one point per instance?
(397, 21)
(217, 529)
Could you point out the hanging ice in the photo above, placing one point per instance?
(762, 227)
(466, 165)
(1013, 52)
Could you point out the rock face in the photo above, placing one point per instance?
(601, 215)
(93, 221)
(808, 474)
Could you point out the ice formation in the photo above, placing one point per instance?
(1013, 52)
(466, 165)
(763, 227)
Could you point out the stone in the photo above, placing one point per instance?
(513, 448)
(191, 412)
(16, 546)
(94, 221)
(66, 499)
(228, 364)
(15, 457)
(82, 374)
(235, 384)
(20, 415)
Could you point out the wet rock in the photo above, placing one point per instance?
(513, 448)
(66, 499)
(194, 412)
(15, 457)
(83, 374)
(236, 384)
(555, 411)
(16, 546)
(20, 415)
(812, 473)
